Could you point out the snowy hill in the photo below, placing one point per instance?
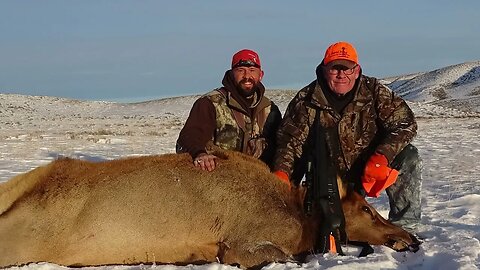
(456, 86)
(162, 117)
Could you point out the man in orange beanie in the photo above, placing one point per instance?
(236, 116)
(368, 130)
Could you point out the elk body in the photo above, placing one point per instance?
(161, 209)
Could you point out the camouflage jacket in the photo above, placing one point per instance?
(235, 130)
(375, 120)
(219, 119)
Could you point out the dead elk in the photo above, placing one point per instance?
(162, 209)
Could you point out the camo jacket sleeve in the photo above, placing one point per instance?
(396, 119)
(293, 131)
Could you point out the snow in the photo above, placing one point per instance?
(36, 130)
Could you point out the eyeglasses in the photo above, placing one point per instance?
(336, 69)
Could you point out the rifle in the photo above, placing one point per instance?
(308, 184)
(322, 192)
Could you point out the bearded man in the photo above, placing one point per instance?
(236, 116)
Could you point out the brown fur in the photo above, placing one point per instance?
(154, 209)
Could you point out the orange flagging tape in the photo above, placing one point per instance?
(333, 247)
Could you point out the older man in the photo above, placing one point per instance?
(236, 116)
(368, 130)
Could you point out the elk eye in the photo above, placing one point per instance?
(367, 210)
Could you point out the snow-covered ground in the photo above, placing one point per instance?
(36, 130)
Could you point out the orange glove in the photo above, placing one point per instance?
(283, 176)
(377, 175)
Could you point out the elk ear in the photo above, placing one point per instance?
(342, 191)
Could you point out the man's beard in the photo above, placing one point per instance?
(246, 93)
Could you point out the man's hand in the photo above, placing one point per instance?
(376, 168)
(282, 176)
(377, 175)
(205, 161)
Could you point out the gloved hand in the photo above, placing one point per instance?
(377, 175)
(283, 176)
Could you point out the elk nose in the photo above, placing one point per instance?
(415, 245)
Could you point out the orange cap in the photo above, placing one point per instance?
(340, 51)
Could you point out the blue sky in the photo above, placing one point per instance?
(137, 50)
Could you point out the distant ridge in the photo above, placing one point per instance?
(456, 86)
(452, 91)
